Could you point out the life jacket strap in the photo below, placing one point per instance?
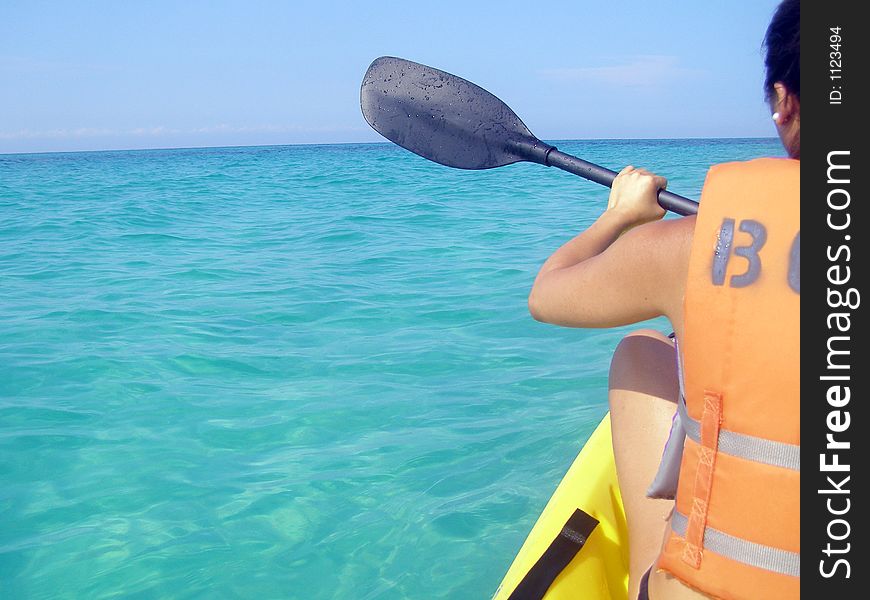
(710, 426)
(744, 551)
(769, 452)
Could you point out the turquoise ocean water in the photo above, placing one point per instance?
(289, 372)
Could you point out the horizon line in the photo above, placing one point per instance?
(159, 149)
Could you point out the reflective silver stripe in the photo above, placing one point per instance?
(679, 367)
(778, 454)
(744, 551)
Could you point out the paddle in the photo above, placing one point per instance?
(456, 123)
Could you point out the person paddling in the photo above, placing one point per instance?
(718, 515)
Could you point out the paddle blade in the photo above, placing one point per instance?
(443, 117)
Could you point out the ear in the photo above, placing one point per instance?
(785, 103)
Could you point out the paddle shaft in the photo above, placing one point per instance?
(592, 172)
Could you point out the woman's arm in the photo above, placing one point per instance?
(627, 267)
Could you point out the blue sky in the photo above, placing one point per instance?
(89, 75)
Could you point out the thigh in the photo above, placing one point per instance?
(643, 393)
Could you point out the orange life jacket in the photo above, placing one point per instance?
(735, 531)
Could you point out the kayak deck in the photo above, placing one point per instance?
(599, 570)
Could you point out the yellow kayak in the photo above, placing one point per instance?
(579, 546)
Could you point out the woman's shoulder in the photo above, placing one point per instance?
(667, 236)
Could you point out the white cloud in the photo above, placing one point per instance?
(639, 71)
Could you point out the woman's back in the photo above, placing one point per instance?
(733, 531)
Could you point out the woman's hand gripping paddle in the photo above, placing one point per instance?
(456, 123)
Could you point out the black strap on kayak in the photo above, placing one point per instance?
(561, 552)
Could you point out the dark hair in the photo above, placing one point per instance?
(783, 45)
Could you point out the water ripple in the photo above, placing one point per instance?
(289, 371)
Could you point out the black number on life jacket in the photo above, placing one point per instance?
(723, 252)
(750, 253)
(725, 246)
